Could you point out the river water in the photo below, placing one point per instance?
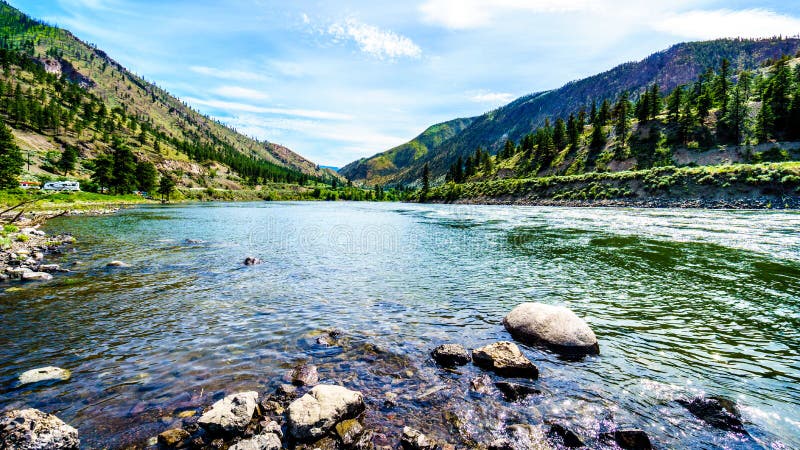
(684, 303)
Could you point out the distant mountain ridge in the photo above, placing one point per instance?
(680, 64)
(128, 96)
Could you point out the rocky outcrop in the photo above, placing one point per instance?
(716, 411)
(505, 359)
(450, 355)
(231, 414)
(119, 264)
(173, 438)
(313, 415)
(31, 429)
(554, 326)
(44, 374)
(36, 276)
(560, 435)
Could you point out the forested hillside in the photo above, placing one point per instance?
(679, 65)
(73, 109)
(728, 134)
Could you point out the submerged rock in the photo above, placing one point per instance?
(414, 440)
(513, 391)
(231, 414)
(31, 429)
(481, 384)
(630, 439)
(349, 431)
(716, 411)
(305, 375)
(117, 264)
(314, 414)
(554, 326)
(562, 436)
(173, 438)
(36, 276)
(505, 359)
(44, 374)
(528, 437)
(251, 261)
(266, 441)
(450, 355)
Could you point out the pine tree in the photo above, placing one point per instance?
(733, 125)
(674, 104)
(11, 161)
(598, 138)
(573, 133)
(655, 101)
(166, 186)
(560, 134)
(605, 113)
(723, 85)
(68, 159)
(146, 175)
(123, 173)
(426, 181)
(103, 172)
(622, 126)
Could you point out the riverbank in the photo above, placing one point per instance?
(736, 186)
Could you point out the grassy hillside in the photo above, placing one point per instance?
(59, 93)
(385, 167)
(681, 64)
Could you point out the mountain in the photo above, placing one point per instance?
(678, 65)
(395, 163)
(96, 103)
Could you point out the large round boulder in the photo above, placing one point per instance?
(230, 415)
(553, 326)
(31, 429)
(311, 416)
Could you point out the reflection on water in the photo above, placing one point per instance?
(683, 302)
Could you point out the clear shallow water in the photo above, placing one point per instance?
(683, 303)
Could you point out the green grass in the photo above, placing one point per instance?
(73, 200)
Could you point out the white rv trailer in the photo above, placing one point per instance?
(62, 186)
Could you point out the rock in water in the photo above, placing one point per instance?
(117, 264)
(231, 414)
(481, 384)
(716, 411)
(450, 355)
(173, 438)
(513, 391)
(505, 359)
(554, 326)
(31, 429)
(414, 440)
(630, 439)
(563, 436)
(314, 414)
(268, 441)
(251, 261)
(44, 374)
(36, 276)
(305, 375)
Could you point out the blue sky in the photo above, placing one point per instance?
(336, 82)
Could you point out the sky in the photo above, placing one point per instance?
(338, 81)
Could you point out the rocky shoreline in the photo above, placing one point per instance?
(25, 247)
(304, 413)
(789, 202)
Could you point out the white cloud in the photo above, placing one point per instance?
(237, 75)
(463, 14)
(306, 19)
(246, 107)
(494, 98)
(748, 23)
(241, 92)
(379, 43)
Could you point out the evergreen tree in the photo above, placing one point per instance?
(674, 104)
(605, 113)
(560, 134)
(622, 126)
(733, 124)
(166, 186)
(68, 159)
(723, 85)
(598, 138)
(123, 173)
(426, 182)
(655, 101)
(573, 133)
(146, 175)
(11, 161)
(103, 172)
(593, 113)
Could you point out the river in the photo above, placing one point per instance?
(684, 303)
